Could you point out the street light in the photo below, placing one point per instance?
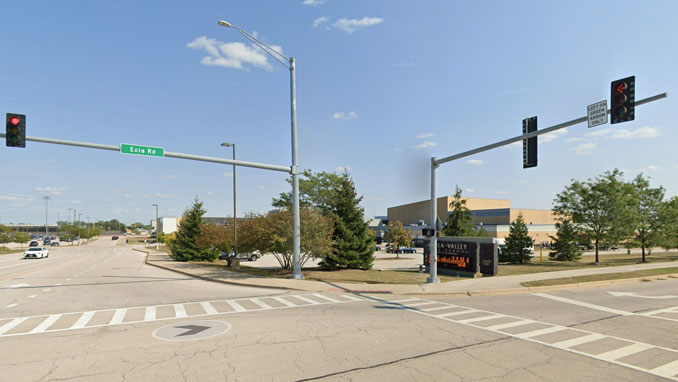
(290, 64)
(157, 226)
(79, 215)
(235, 223)
(46, 199)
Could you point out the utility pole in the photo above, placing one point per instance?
(46, 199)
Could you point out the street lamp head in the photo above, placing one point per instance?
(226, 144)
(224, 23)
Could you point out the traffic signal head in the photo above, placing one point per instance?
(530, 144)
(15, 130)
(623, 100)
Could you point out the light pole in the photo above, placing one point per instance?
(157, 226)
(46, 199)
(79, 228)
(291, 65)
(69, 215)
(235, 221)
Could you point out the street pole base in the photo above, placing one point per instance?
(432, 280)
(297, 276)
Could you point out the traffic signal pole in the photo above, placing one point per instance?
(435, 163)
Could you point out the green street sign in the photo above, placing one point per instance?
(142, 150)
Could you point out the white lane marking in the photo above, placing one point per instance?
(584, 304)
(422, 303)
(33, 296)
(308, 300)
(118, 316)
(483, 318)
(17, 286)
(236, 306)
(12, 324)
(46, 323)
(262, 304)
(405, 300)
(624, 352)
(539, 332)
(572, 342)
(69, 279)
(209, 309)
(284, 302)
(632, 294)
(668, 370)
(665, 310)
(11, 305)
(438, 308)
(83, 320)
(179, 310)
(459, 313)
(330, 299)
(46, 290)
(149, 313)
(58, 284)
(509, 325)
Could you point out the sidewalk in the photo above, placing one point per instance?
(466, 287)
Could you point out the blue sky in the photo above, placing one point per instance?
(381, 87)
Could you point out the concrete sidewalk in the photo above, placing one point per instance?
(469, 287)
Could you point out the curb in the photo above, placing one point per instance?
(209, 278)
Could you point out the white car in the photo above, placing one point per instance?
(36, 252)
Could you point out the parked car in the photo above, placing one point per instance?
(36, 253)
(406, 250)
(249, 256)
(33, 244)
(46, 241)
(115, 238)
(54, 244)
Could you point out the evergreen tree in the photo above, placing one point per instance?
(184, 246)
(518, 242)
(460, 220)
(565, 244)
(353, 243)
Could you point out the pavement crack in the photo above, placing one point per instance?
(396, 361)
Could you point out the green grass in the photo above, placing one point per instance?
(7, 251)
(602, 277)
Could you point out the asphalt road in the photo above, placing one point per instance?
(98, 313)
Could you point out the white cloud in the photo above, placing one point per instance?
(17, 197)
(231, 54)
(570, 140)
(639, 133)
(345, 116)
(163, 196)
(425, 135)
(650, 168)
(52, 190)
(470, 190)
(227, 173)
(343, 168)
(320, 20)
(425, 145)
(584, 148)
(210, 193)
(351, 25)
(548, 137)
(475, 162)
(127, 196)
(522, 181)
(168, 177)
(314, 3)
(173, 209)
(261, 188)
(76, 202)
(501, 192)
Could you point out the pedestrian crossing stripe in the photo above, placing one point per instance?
(482, 319)
(20, 326)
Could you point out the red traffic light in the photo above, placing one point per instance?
(14, 121)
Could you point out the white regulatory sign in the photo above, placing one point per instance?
(597, 113)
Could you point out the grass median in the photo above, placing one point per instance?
(603, 277)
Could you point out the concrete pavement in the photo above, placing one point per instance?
(479, 286)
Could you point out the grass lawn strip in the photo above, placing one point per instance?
(601, 277)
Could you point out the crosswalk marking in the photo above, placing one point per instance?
(83, 320)
(284, 302)
(46, 323)
(438, 308)
(209, 309)
(118, 316)
(100, 318)
(149, 313)
(422, 303)
(578, 341)
(236, 306)
(308, 300)
(624, 352)
(615, 356)
(179, 311)
(12, 324)
(261, 304)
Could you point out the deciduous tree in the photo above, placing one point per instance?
(397, 236)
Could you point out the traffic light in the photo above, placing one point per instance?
(15, 130)
(530, 144)
(623, 100)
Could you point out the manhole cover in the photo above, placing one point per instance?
(191, 330)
